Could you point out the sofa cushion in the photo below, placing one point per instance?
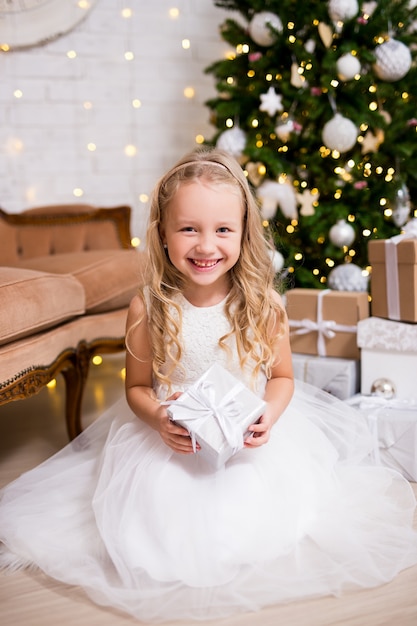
(110, 277)
(32, 301)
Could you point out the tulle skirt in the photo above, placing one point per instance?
(162, 536)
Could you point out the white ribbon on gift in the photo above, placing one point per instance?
(201, 403)
(391, 268)
(373, 405)
(326, 329)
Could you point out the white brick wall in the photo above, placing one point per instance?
(44, 134)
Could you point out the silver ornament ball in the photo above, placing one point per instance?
(347, 277)
(383, 388)
(342, 234)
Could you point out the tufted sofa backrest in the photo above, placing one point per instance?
(59, 229)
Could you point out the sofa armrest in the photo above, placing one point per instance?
(58, 229)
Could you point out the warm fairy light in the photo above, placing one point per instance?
(229, 123)
(186, 44)
(97, 359)
(129, 56)
(87, 105)
(91, 147)
(123, 373)
(18, 93)
(83, 4)
(292, 39)
(199, 139)
(255, 123)
(51, 384)
(230, 80)
(334, 83)
(383, 201)
(143, 197)
(71, 54)
(189, 92)
(366, 232)
(127, 13)
(373, 106)
(4, 47)
(251, 74)
(135, 242)
(136, 104)
(77, 192)
(130, 150)
(174, 13)
(330, 262)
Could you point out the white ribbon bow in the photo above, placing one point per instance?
(201, 403)
(391, 265)
(326, 329)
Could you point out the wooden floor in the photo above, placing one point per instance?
(32, 430)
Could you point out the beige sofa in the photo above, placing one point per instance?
(67, 275)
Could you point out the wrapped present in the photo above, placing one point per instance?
(323, 322)
(340, 377)
(217, 411)
(388, 351)
(394, 426)
(394, 275)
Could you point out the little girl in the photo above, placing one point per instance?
(137, 518)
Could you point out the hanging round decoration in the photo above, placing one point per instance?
(393, 60)
(347, 277)
(261, 25)
(28, 23)
(343, 10)
(348, 66)
(402, 206)
(342, 234)
(339, 133)
(232, 141)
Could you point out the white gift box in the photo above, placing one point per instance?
(394, 426)
(217, 411)
(388, 350)
(340, 377)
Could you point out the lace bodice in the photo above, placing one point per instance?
(201, 329)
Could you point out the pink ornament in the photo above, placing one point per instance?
(316, 91)
(254, 56)
(412, 122)
(361, 184)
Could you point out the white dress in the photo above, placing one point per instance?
(162, 536)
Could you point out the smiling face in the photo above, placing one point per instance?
(202, 230)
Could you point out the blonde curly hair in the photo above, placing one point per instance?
(251, 311)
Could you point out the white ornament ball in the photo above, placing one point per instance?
(348, 66)
(342, 234)
(259, 28)
(339, 133)
(343, 10)
(347, 277)
(393, 60)
(277, 261)
(232, 141)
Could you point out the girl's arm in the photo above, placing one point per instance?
(139, 391)
(279, 388)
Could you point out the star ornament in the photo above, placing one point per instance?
(271, 102)
(372, 142)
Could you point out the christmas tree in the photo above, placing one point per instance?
(318, 102)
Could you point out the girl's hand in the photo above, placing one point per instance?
(175, 436)
(261, 431)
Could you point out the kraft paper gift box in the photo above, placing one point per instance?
(324, 322)
(394, 275)
(217, 411)
(394, 426)
(340, 377)
(388, 350)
